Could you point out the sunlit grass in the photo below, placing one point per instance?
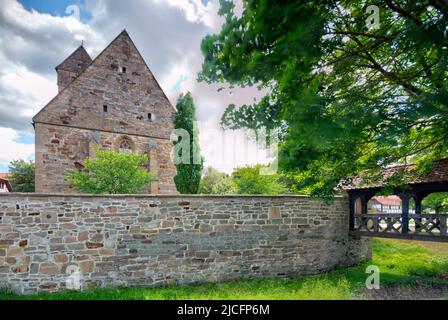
(401, 263)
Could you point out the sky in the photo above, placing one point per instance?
(39, 34)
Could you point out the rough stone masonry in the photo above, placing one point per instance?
(147, 240)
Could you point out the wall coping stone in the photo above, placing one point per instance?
(88, 195)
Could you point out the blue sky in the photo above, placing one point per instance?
(56, 7)
(25, 138)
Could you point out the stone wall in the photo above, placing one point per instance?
(153, 240)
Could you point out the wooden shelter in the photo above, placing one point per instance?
(421, 226)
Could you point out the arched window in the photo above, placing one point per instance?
(125, 146)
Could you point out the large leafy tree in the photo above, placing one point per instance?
(21, 175)
(349, 99)
(111, 172)
(437, 202)
(188, 173)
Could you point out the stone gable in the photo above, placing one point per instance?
(119, 80)
(114, 98)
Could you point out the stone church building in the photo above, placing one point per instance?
(113, 103)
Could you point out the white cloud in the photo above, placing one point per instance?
(11, 149)
(177, 80)
(238, 9)
(39, 89)
(40, 41)
(168, 33)
(196, 11)
(31, 45)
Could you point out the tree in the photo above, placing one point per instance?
(248, 180)
(437, 202)
(188, 173)
(21, 176)
(215, 182)
(112, 173)
(348, 98)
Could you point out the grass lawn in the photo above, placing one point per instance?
(409, 269)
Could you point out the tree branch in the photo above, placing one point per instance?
(389, 75)
(370, 35)
(403, 12)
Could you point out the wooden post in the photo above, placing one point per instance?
(405, 213)
(364, 200)
(418, 211)
(376, 223)
(443, 224)
(351, 199)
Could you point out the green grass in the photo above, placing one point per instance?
(402, 264)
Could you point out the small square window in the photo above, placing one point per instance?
(151, 117)
(104, 108)
(123, 69)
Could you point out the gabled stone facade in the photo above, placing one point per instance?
(111, 102)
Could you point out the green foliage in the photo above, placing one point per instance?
(248, 180)
(437, 202)
(244, 180)
(112, 173)
(188, 175)
(21, 176)
(215, 182)
(404, 267)
(348, 99)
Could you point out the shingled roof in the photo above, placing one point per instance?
(438, 173)
(77, 62)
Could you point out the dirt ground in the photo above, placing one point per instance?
(416, 292)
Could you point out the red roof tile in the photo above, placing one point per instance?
(388, 201)
(4, 175)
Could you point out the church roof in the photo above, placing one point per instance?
(76, 62)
